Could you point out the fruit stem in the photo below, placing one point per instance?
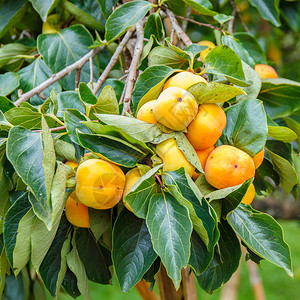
(157, 178)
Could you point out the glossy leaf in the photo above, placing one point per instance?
(203, 7)
(281, 133)
(186, 192)
(268, 9)
(8, 83)
(100, 221)
(111, 148)
(107, 6)
(262, 234)
(280, 97)
(139, 196)
(170, 228)
(132, 252)
(70, 284)
(214, 92)
(149, 85)
(124, 17)
(138, 129)
(43, 7)
(154, 26)
(225, 261)
(62, 49)
(239, 130)
(222, 60)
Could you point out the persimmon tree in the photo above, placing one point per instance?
(73, 76)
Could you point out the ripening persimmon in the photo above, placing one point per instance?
(131, 179)
(175, 108)
(100, 184)
(184, 80)
(265, 71)
(258, 158)
(204, 131)
(145, 113)
(72, 164)
(203, 155)
(210, 46)
(249, 196)
(228, 166)
(76, 212)
(173, 157)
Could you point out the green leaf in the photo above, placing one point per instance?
(221, 18)
(97, 269)
(139, 196)
(5, 104)
(106, 103)
(149, 85)
(138, 129)
(214, 92)
(124, 17)
(100, 221)
(225, 261)
(43, 7)
(68, 100)
(178, 7)
(188, 150)
(268, 9)
(72, 120)
(70, 284)
(281, 133)
(33, 75)
(77, 267)
(65, 150)
(168, 57)
(246, 126)
(8, 83)
(113, 149)
(132, 252)
(86, 12)
(252, 91)
(200, 258)
(154, 26)
(222, 60)
(201, 6)
(170, 228)
(11, 13)
(280, 96)
(63, 48)
(186, 192)
(252, 46)
(263, 235)
(18, 211)
(25, 150)
(54, 259)
(107, 7)
(116, 84)
(280, 155)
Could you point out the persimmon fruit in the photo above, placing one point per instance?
(145, 113)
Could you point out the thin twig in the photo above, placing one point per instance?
(200, 24)
(113, 60)
(123, 77)
(55, 77)
(157, 178)
(172, 36)
(42, 96)
(91, 72)
(52, 129)
(20, 92)
(181, 34)
(132, 74)
(77, 78)
(185, 21)
(239, 15)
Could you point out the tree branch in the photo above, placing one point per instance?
(132, 73)
(180, 33)
(200, 24)
(55, 77)
(239, 15)
(113, 60)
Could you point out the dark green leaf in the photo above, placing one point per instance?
(246, 126)
(5, 104)
(107, 7)
(124, 17)
(280, 96)
(268, 9)
(132, 252)
(170, 228)
(70, 284)
(97, 269)
(201, 6)
(43, 7)
(111, 148)
(100, 221)
(154, 26)
(8, 83)
(262, 234)
(225, 261)
(222, 60)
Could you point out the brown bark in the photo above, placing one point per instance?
(143, 288)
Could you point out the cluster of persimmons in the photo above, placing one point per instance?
(102, 184)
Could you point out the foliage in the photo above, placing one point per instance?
(174, 219)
